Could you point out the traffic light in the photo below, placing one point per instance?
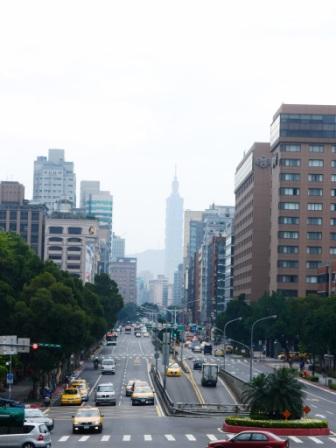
(35, 346)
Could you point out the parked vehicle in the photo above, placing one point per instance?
(209, 374)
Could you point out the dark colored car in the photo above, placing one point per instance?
(249, 439)
(197, 364)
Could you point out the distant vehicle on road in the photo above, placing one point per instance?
(71, 396)
(142, 395)
(209, 374)
(108, 366)
(207, 349)
(197, 364)
(111, 338)
(37, 416)
(174, 370)
(105, 394)
(138, 334)
(219, 352)
(258, 439)
(197, 349)
(128, 329)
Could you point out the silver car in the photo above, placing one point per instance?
(105, 394)
(30, 435)
(108, 366)
(37, 416)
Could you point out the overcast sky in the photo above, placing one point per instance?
(130, 88)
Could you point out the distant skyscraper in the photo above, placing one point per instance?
(96, 202)
(118, 247)
(174, 230)
(54, 180)
(124, 272)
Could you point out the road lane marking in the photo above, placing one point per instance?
(333, 439)
(295, 439)
(63, 439)
(148, 438)
(83, 438)
(126, 438)
(330, 413)
(170, 437)
(94, 386)
(320, 415)
(212, 437)
(105, 438)
(228, 390)
(190, 437)
(315, 439)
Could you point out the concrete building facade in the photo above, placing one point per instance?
(303, 212)
(118, 247)
(72, 243)
(124, 272)
(252, 224)
(54, 180)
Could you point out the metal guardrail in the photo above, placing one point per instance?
(196, 409)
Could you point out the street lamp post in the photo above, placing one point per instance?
(224, 334)
(273, 316)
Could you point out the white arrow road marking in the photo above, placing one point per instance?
(83, 439)
(316, 440)
(333, 439)
(126, 438)
(148, 438)
(211, 437)
(64, 438)
(190, 437)
(105, 438)
(170, 437)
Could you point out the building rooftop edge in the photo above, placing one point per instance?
(318, 109)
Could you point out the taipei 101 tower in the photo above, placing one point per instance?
(174, 230)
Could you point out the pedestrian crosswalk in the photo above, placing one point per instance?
(173, 438)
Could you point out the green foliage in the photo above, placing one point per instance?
(129, 313)
(46, 304)
(274, 393)
(304, 423)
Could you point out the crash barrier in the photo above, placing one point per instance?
(193, 409)
(235, 384)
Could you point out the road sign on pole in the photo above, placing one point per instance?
(10, 378)
(8, 345)
(23, 345)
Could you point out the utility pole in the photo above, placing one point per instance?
(165, 353)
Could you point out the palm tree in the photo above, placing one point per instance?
(271, 395)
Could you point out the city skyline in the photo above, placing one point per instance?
(126, 107)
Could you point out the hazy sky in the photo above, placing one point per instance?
(131, 88)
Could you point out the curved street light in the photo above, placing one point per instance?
(273, 316)
(224, 333)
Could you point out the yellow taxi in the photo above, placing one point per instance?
(87, 419)
(71, 396)
(174, 370)
(142, 394)
(219, 352)
(83, 388)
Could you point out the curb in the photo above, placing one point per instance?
(279, 431)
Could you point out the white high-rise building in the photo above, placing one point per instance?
(54, 180)
(174, 231)
(118, 247)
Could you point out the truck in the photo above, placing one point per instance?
(111, 338)
(209, 374)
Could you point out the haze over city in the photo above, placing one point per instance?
(130, 89)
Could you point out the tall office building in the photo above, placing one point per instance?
(189, 215)
(174, 229)
(158, 290)
(252, 223)
(19, 216)
(54, 180)
(124, 272)
(118, 247)
(303, 212)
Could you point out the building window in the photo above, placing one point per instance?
(74, 249)
(288, 292)
(333, 192)
(288, 249)
(290, 148)
(290, 264)
(55, 257)
(74, 240)
(289, 220)
(24, 215)
(332, 250)
(12, 215)
(314, 235)
(55, 239)
(35, 216)
(315, 177)
(311, 221)
(290, 162)
(3, 214)
(315, 191)
(313, 264)
(316, 148)
(287, 278)
(311, 278)
(315, 163)
(314, 250)
(333, 178)
(74, 257)
(315, 206)
(291, 177)
(333, 221)
(74, 266)
(74, 230)
(333, 164)
(333, 235)
(289, 235)
(333, 207)
(289, 205)
(55, 247)
(12, 226)
(55, 229)
(333, 148)
(290, 191)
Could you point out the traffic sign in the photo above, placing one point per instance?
(181, 327)
(8, 345)
(23, 345)
(10, 378)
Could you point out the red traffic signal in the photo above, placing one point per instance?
(35, 346)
